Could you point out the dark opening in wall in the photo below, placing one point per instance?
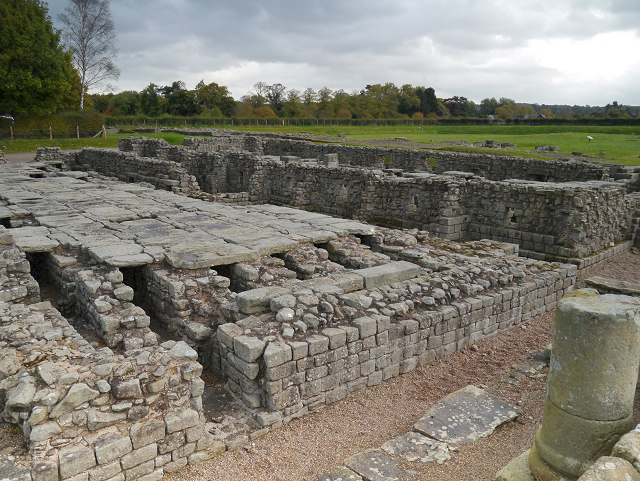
(5, 222)
(38, 270)
(134, 277)
(237, 283)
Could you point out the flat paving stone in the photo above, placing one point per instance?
(416, 447)
(341, 474)
(374, 466)
(465, 416)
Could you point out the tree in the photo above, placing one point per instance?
(264, 112)
(36, 74)
(90, 33)
(210, 97)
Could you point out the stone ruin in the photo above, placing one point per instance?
(3, 159)
(174, 270)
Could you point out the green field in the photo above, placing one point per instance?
(622, 144)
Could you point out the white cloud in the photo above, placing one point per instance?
(562, 51)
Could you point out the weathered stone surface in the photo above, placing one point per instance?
(198, 331)
(388, 273)
(629, 448)
(111, 446)
(416, 447)
(516, 470)
(45, 431)
(146, 433)
(50, 372)
(374, 466)
(183, 352)
(139, 456)
(44, 471)
(9, 365)
(341, 474)
(613, 286)
(14, 472)
(608, 468)
(277, 353)
(78, 393)
(21, 397)
(104, 472)
(180, 420)
(98, 420)
(127, 389)
(258, 300)
(74, 460)
(248, 348)
(465, 416)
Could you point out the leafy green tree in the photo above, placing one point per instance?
(276, 96)
(488, 106)
(36, 75)
(212, 97)
(125, 103)
(150, 101)
(428, 101)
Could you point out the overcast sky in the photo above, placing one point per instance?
(584, 52)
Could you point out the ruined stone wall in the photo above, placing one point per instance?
(89, 412)
(357, 193)
(501, 167)
(3, 159)
(289, 379)
(16, 283)
(567, 220)
(129, 167)
(357, 156)
(228, 143)
(142, 146)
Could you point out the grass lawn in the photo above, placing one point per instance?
(621, 144)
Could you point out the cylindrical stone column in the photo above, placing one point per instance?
(592, 381)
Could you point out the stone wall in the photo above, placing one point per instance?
(568, 220)
(235, 143)
(289, 378)
(89, 412)
(357, 156)
(129, 167)
(3, 159)
(142, 146)
(501, 167)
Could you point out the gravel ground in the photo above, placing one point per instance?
(307, 448)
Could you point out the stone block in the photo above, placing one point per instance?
(277, 353)
(247, 348)
(98, 420)
(258, 300)
(180, 420)
(44, 471)
(111, 446)
(337, 337)
(139, 456)
(385, 274)
(146, 433)
(75, 459)
(226, 333)
(104, 472)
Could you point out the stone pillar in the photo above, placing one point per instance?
(592, 381)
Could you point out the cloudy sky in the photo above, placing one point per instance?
(584, 52)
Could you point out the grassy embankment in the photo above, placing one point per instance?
(621, 144)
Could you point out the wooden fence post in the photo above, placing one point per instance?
(50, 134)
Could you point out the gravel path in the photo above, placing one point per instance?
(307, 448)
(20, 157)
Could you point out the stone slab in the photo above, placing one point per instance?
(341, 474)
(416, 447)
(35, 244)
(613, 286)
(102, 253)
(465, 416)
(201, 255)
(374, 466)
(390, 273)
